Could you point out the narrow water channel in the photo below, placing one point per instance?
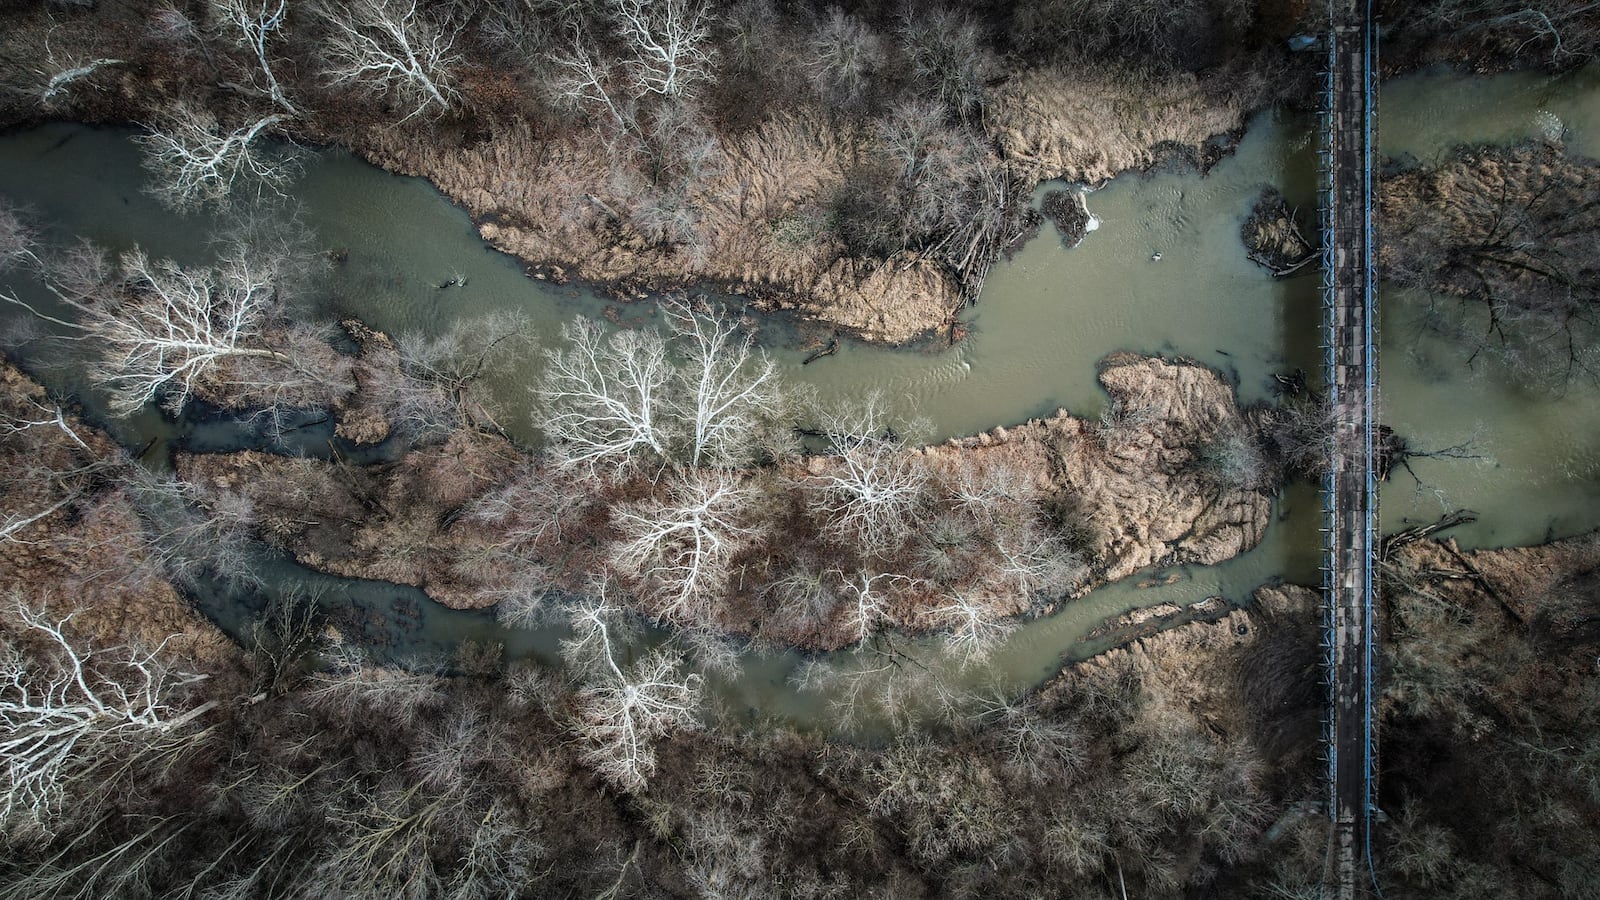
(1164, 272)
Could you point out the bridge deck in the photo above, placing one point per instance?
(1350, 528)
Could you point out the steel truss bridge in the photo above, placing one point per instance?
(1350, 504)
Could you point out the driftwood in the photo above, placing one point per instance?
(1421, 532)
(1283, 271)
(831, 349)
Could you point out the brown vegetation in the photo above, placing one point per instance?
(1489, 760)
(864, 168)
(991, 526)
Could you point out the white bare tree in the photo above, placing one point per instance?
(450, 370)
(1003, 499)
(60, 75)
(16, 238)
(872, 487)
(38, 415)
(624, 709)
(1034, 563)
(604, 400)
(165, 327)
(584, 81)
(258, 22)
(727, 390)
(193, 159)
(681, 546)
(351, 684)
(67, 710)
(866, 603)
(391, 47)
(669, 40)
(976, 628)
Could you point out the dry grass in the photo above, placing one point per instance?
(1088, 125)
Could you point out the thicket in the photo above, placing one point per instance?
(1491, 772)
(326, 773)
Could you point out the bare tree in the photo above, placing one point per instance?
(872, 488)
(62, 72)
(257, 26)
(669, 40)
(947, 58)
(352, 684)
(384, 844)
(603, 400)
(390, 47)
(876, 685)
(163, 328)
(584, 81)
(1032, 562)
(16, 238)
(806, 592)
(624, 710)
(727, 389)
(453, 366)
(195, 160)
(50, 481)
(866, 603)
(681, 546)
(52, 416)
(1506, 235)
(67, 710)
(195, 535)
(844, 55)
(976, 628)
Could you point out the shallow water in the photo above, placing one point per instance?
(1164, 272)
(1534, 471)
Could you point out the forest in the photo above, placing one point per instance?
(665, 507)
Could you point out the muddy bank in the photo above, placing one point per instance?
(1551, 589)
(1249, 674)
(1125, 494)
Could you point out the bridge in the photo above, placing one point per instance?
(1350, 507)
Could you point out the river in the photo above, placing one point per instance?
(1164, 272)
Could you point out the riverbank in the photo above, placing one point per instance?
(1490, 701)
(1124, 494)
(782, 209)
(71, 547)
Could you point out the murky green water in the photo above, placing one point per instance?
(1163, 272)
(1537, 471)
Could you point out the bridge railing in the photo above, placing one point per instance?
(1326, 220)
(1370, 302)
